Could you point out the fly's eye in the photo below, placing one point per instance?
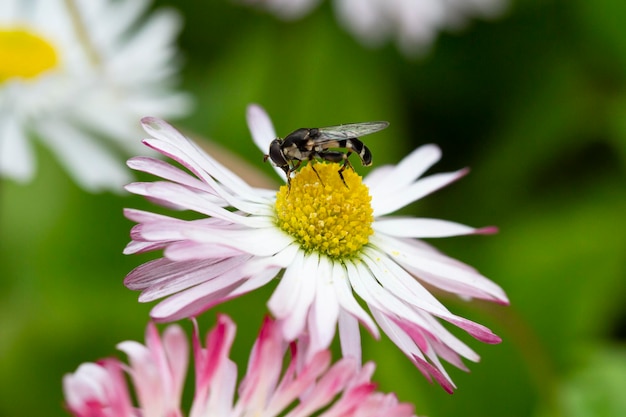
(276, 154)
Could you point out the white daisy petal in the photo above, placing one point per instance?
(397, 335)
(426, 228)
(404, 342)
(9, 9)
(121, 15)
(173, 144)
(293, 325)
(261, 127)
(195, 300)
(439, 270)
(293, 316)
(414, 192)
(406, 172)
(124, 133)
(141, 247)
(258, 242)
(161, 27)
(398, 282)
(255, 280)
(189, 251)
(349, 336)
(282, 259)
(377, 297)
(324, 310)
(91, 165)
(377, 178)
(167, 172)
(218, 183)
(450, 346)
(284, 298)
(348, 302)
(201, 203)
(326, 240)
(156, 272)
(262, 131)
(171, 277)
(16, 153)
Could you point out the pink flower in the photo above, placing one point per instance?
(157, 371)
(325, 239)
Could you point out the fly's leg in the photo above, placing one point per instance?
(312, 163)
(346, 164)
(288, 170)
(338, 157)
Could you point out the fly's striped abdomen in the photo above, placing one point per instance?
(360, 149)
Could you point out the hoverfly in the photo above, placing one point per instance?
(310, 144)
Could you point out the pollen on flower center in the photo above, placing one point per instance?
(327, 217)
(24, 54)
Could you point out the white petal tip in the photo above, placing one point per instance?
(155, 124)
(260, 126)
(149, 120)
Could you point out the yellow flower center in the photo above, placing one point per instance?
(24, 54)
(327, 217)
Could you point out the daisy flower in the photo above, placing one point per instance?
(68, 67)
(326, 242)
(157, 373)
(413, 23)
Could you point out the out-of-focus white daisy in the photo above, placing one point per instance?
(413, 23)
(157, 371)
(69, 67)
(325, 242)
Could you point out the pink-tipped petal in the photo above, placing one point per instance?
(426, 228)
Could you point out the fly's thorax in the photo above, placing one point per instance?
(323, 214)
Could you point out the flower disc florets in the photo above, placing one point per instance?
(328, 217)
(24, 54)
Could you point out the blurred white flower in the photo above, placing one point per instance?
(157, 373)
(413, 23)
(70, 67)
(286, 9)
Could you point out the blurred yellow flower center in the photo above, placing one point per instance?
(24, 54)
(326, 217)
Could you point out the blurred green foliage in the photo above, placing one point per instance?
(534, 103)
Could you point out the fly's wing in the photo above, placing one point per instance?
(348, 131)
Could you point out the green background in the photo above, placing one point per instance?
(534, 102)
